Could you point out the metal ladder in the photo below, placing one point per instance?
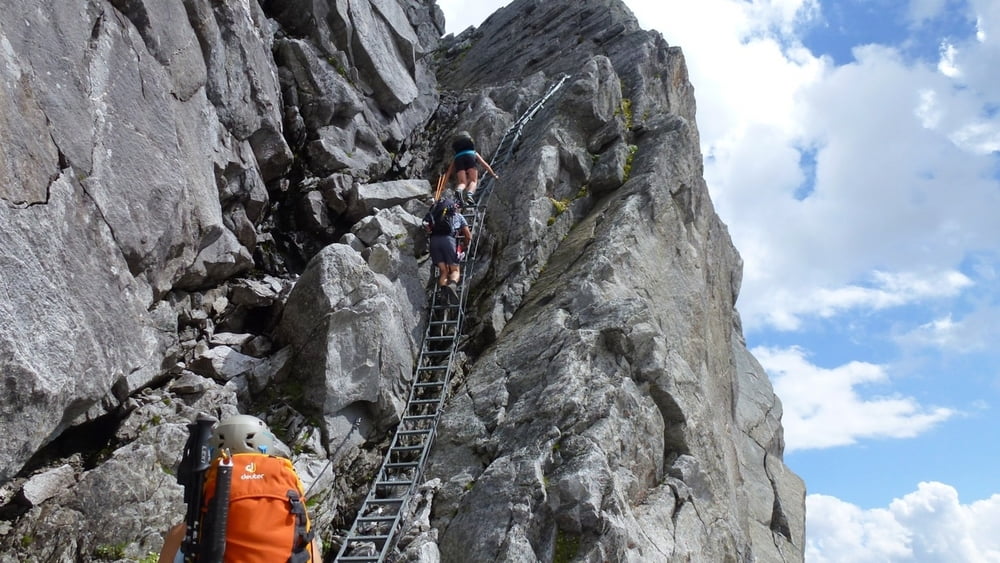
(373, 534)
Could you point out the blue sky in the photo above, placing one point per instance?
(853, 149)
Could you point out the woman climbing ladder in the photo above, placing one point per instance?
(465, 166)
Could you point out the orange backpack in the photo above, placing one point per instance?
(267, 520)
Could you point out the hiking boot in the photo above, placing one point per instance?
(470, 199)
(443, 296)
(452, 288)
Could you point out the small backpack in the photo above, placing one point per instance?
(267, 519)
(441, 214)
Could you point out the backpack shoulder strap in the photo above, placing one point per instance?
(303, 535)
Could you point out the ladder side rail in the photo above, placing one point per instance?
(373, 497)
(517, 129)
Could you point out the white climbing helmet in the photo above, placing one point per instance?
(243, 434)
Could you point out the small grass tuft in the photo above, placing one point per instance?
(627, 172)
(110, 552)
(567, 547)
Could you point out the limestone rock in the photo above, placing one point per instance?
(364, 199)
(223, 363)
(353, 339)
(48, 484)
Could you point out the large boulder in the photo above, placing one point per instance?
(353, 333)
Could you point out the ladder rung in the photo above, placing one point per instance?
(437, 371)
(434, 412)
(386, 518)
(413, 417)
(390, 500)
(394, 483)
(424, 401)
(428, 396)
(406, 448)
(439, 338)
(396, 478)
(419, 444)
(429, 374)
(376, 538)
(401, 464)
(427, 405)
(358, 558)
(411, 432)
(429, 379)
(424, 422)
(389, 510)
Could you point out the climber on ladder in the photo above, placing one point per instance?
(445, 224)
(465, 166)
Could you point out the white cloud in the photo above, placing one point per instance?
(947, 63)
(987, 15)
(940, 333)
(890, 290)
(884, 290)
(460, 14)
(824, 407)
(929, 109)
(922, 11)
(839, 532)
(929, 525)
(902, 182)
(981, 137)
(975, 332)
(784, 16)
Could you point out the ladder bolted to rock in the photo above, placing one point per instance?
(373, 534)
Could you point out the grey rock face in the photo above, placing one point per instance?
(173, 176)
(365, 199)
(550, 37)
(120, 188)
(64, 338)
(361, 81)
(602, 424)
(352, 338)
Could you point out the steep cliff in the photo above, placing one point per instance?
(215, 207)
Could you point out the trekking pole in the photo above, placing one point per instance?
(442, 181)
(214, 545)
(195, 460)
